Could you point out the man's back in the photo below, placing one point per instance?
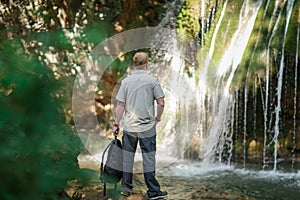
(138, 91)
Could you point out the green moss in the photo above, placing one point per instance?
(290, 44)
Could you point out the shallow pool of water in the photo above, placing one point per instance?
(182, 179)
(250, 184)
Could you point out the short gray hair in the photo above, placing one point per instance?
(140, 59)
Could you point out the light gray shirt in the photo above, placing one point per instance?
(138, 91)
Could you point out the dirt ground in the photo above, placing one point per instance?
(92, 189)
(177, 191)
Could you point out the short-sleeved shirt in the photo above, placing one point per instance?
(138, 91)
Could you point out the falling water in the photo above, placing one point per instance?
(236, 97)
(279, 87)
(295, 94)
(221, 116)
(213, 41)
(230, 138)
(202, 85)
(228, 65)
(245, 125)
(168, 63)
(202, 21)
(266, 104)
(255, 109)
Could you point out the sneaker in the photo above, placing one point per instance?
(125, 193)
(159, 195)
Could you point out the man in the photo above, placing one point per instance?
(136, 98)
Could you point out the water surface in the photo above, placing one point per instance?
(250, 184)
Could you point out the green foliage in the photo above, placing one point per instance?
(96, 32)
(187, 20)
(38, 151)
(57, 39)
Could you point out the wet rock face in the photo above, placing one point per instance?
(291, 141)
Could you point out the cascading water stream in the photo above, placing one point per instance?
(266, 103)
(230, 138)
(168, 63)
(236, 97)
(295, 94)
(228, 65)
(202, 21)
(279, 87)
(245, 123)
(202, 84)
(255, 109)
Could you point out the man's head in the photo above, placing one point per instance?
(140, 60)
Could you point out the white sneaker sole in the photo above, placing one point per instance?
(125, 194)
(158, 197)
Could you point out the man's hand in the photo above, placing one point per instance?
(157, 120)
(159, 109)
(116, 129)
(119, 113)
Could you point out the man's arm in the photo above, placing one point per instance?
(159, 109)
(119, 113)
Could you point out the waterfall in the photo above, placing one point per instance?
(205, 116)
(227, 130)
(279, 87)
(255, 109)
(295, 94)
(202, 21)
(230, 139)
(221, 98)
(245, 124)
(236, 97)
(213, 41)
(168, 63)
(202, 84)
(266, 103)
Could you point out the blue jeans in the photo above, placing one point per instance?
(147, 141)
